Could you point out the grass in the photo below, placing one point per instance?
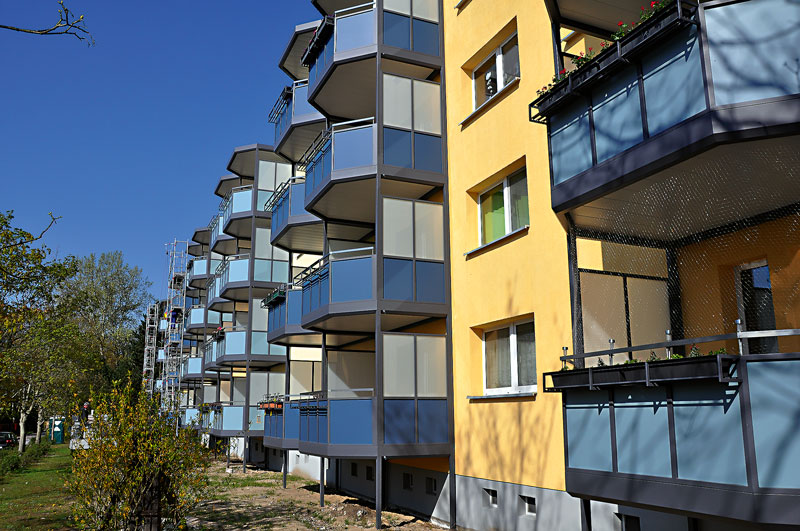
(35, 498)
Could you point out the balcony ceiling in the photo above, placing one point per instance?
(201, 235)
(349, 92)
(328, 7)
(290, 61)
(228, 182)
(243, 159)
(603, 14)
(725, 184)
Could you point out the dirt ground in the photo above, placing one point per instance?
(256, 500)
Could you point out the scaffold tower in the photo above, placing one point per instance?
(150, 348)
(174, 315)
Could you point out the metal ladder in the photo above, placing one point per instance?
(175, 315)
(150, 349)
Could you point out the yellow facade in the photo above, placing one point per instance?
(514, 439)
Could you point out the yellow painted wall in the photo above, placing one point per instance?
(513, 440)
(708, 294)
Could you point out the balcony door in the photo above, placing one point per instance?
(756, 310)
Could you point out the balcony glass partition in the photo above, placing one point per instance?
(344, 146)
(335, 421)
(234, 343)
(194, 365)
(296, 109)
(235, 269)
(215, 228)
(199, 267)
(196, 316)
(191, 416)
(412, 25)
(342, 276)
(256, 419)
(287, 311)
(210, 351)
(289, 201)
(239, 200)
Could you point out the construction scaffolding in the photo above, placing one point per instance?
(174, 315)
(150, 348)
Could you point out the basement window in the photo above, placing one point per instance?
(408, 481)
(370, 473)
(528, 504)
(354, 469)
(491, 497)
(430, 486)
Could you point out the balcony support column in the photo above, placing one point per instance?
(586, 515)
(322, 481)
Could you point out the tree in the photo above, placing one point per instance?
(68, 24)
(136, 466)
(108, 298)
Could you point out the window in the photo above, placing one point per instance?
(509, 355)
(528, 504)
(491, 497)
(408, 481)
(370, 473)
(413, 123)
(497, 71)
(402, 360)
(504, 207)
(430, 486)
(354, 469)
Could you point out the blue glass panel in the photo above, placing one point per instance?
(213, 317)
(314, 292)
(775, 395)
(396, 147)
(705, 413)
(754, 49)
(428, 152)
(617, 114)
(242, 201)
(355, 31)
(324, 287)
(272, 315)
(430, 281)
(294, 306)
(232, 418)
(588, 430)
(351, 421)
(642, 431)
(306, 297)
(351, 280)
(325, 168)
(292, 421)
(673, 81)
(195, 365)
(277, 350)
(300, 100)
(304, 425)
(234, 343)
(237, 270)
(280, 271)
(398, 421)
(262, 270)
(297, 200)
(398, 279)
(426, 37)
(397, 30)
(433, 425)
(259, 344)
(353, 148)
(322, 421)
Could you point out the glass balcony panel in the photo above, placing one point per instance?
(430, 282)
(355, 31)
(351, 280)
(237, 270)
(291, 420)
(241, 201)
(401, 6)
(570, 142)
(431, 367)
(397, 30)
(398, 365)
(428, 152)
(427, 9)
(191, 416)
(296, 200)
(433, 421)
(294, 306)
(232, 418)
(398, 421)
(353, 148)
(262, 198)
(757, 59)
(259, 345)
(300, 101)
(428, 230)
(235, 343)
(256, 419)
(427, 107)
(426, 37)
(195, 365)
(199, 267)
(351, 421)
(397, 148)
(196, 316)
(398, 279)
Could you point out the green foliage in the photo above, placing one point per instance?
(9, 461)
(136, 459)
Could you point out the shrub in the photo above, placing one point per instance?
(34, 452)
(9, 461)
(137, 465)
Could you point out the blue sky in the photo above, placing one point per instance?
(126, 139)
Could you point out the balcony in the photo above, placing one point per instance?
(334, 427)
(291, 60)
(237, 348)
(198, 272)
(237, 209)
(297, 123)
(284, 317)
(651, 118)
(640, 434)
(220, 242)
(198, 246)
(341, 57)
(237, 284)
(293, 228)
(200, 323)
(192, 368)
(228, 421)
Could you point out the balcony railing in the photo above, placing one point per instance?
(287, 309)
(288, 200)
(198, 267)
(233, 342)
(344, 145)
(193, 365)
(342, 276)
(235, 268)
(292, 106)
(215, 228)
(238, 200)
(210, 351)
(326, 419)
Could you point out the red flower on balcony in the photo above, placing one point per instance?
(620, 23)
(563, 71)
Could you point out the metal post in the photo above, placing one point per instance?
(564, 355)
(322, 481)
(285, 466)
(611, 356)
(669, 349)
(739, 330)
(378, 491)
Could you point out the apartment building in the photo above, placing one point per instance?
(518, 265)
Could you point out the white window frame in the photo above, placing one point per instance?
(506, 205)
(512, 337)
(497, 55)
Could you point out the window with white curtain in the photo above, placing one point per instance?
(509, 359)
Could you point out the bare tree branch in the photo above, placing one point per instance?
(32, 238)
(67, 24)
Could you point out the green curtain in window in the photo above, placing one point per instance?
(493, 215)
